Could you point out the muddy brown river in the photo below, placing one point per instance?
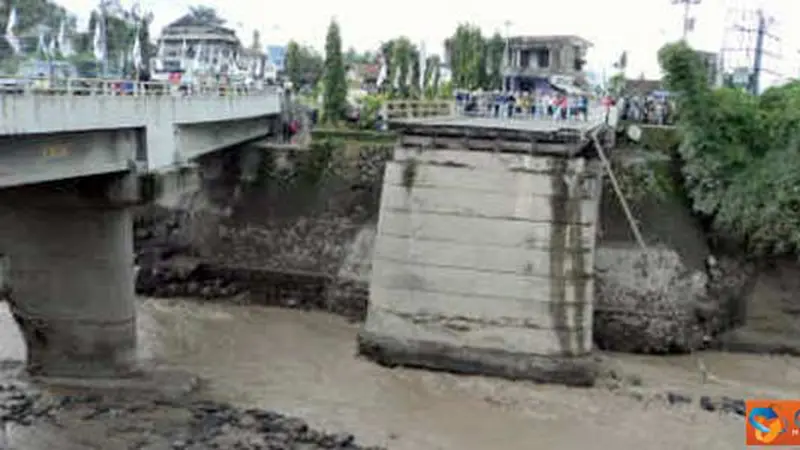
(304, 364)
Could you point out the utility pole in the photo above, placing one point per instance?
(688, 22)
(758, 59)
(508, 58)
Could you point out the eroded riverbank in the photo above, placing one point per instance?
(303, 364)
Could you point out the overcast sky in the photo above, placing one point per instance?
(638, 26)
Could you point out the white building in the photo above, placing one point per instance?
(189, 42)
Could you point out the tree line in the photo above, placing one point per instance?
(740, 156)
(475, 61)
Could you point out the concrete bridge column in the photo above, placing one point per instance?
(70, 261)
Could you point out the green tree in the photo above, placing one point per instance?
(387, 52)
(206, 15)
(741, 154)
(121, 26)
(353, 56)
(304, 65)
(335, 82)
(402, 62)
(432, 74)
(31, 15)
(467, 51)
(495, 54)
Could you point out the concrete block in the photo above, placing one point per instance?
(494, 205)
(485, 258)
(479, 334)
(468, 180)
(492, 286)
(501, 312)
(478, 230)
(489, 161)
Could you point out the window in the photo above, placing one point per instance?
(579, 61)
(524, 58)
(542, 58)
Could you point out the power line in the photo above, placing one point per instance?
(751, 46)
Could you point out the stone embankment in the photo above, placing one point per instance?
(286, 243)
(156, 423)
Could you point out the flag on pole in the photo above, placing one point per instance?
(507, 54)
(196, 61)
(184, 55)
(382, 74)
(41, 47)
(99, 40)
(137, 51)
(423, 59)
(13, 40)
(51, 48)
(64, 45)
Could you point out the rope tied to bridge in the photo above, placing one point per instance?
(618, 190)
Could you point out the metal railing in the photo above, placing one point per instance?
(401, 109)
(122, 87)
(594, 112)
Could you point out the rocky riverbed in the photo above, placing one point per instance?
(146, 422)
(155, 423)
(253, 360)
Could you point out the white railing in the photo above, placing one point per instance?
(594, 112)
(111, 87)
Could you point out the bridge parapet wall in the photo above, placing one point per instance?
(160, 117)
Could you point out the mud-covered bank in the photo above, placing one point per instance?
(689, 289)
(114, 420)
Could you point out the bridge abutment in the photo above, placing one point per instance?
(69, 254)
(484, 252)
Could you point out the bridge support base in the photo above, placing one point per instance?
(69, 267)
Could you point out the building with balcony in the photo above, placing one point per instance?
(539, 62)
(182, 39)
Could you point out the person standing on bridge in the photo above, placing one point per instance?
(583, 107)
(608, 102)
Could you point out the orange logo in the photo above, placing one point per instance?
(772, 422)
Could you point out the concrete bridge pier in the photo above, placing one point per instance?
(68, 248)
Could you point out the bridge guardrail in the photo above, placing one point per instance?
(123, 87)
(401, 109)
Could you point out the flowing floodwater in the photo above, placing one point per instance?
(304, 364)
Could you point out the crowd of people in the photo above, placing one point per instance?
(650, 109)
(555, 105)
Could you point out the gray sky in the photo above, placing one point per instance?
(638, 26)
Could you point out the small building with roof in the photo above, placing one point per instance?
(181, 39)
(544, 62)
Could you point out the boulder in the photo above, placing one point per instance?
(653, 299)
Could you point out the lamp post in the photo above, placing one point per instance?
(688, 22)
